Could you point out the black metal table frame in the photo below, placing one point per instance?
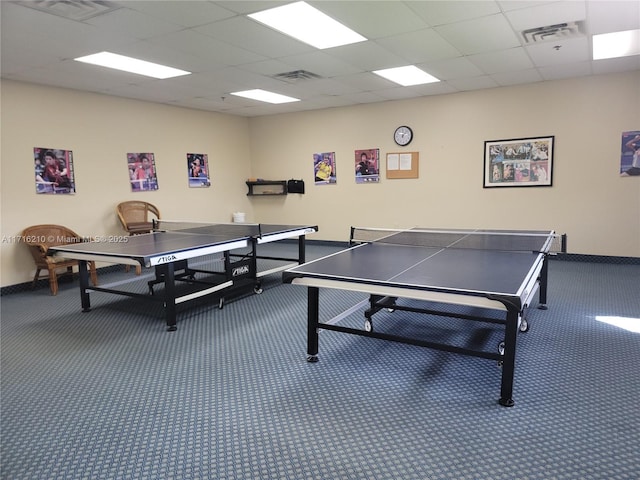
(513, 322)
(235, 281)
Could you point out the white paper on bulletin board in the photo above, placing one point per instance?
(402, 165)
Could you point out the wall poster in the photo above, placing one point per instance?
(198, 168)
(630, 155)
(54, 170)
(367, 165)
(324, 168)
(519, 162)
(142, 171)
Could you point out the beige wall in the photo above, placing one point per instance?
(101, 130)
(599, 210)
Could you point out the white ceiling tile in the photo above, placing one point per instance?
(333, 101)
(502, 61)
(442, 12)
(614, 65)
(565, 70)
(364, 97)
(187, 13)
(561, 52)
(438, 88)
(133, 24)
(319, 62)
(517, 77)
(473, 83)
(483, 34)
(613, 16)
(267, 67)
(458, 67)
(419, 46)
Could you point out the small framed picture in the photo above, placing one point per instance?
(519, 162)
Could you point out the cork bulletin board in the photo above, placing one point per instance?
(402, 164)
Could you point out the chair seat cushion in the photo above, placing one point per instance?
(58, 259)
(139, 227)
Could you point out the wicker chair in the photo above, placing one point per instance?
(136, 218)
(39, 238)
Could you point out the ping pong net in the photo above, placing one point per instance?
(503, 240)
(231, 230)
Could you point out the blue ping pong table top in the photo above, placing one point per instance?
(455, 270)
(163, 246)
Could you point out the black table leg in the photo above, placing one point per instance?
(301, 249)
(84, 285)
(509, 358)
(543, 283)
(170, 297)
(313, 300)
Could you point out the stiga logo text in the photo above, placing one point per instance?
(243, 270)
(167, 259)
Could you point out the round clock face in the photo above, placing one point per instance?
(403, 136)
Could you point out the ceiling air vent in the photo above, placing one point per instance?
(72, 9)
(560, 31)
(296, 76)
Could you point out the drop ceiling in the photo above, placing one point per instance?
(468, 45)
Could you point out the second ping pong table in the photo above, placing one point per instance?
(168, 250)
(488, 270)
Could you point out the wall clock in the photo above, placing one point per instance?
(403, 135)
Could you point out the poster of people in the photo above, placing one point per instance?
(198, 168)
(54, 170)
(522, 162)
(142, 171)
(630, 156)
(324, 168)
(367, 167)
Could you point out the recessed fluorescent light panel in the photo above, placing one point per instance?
(265, 96)
(307, 24)
(406, 76)
(617, 44)
(132, 65)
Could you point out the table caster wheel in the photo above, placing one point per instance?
(221, 303)
(258, 289)
(501, 352)
(524, 325)
(368, 325)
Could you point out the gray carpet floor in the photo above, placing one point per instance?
(109, 394)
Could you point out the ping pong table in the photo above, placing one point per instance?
(444, 270)
(170, 246)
